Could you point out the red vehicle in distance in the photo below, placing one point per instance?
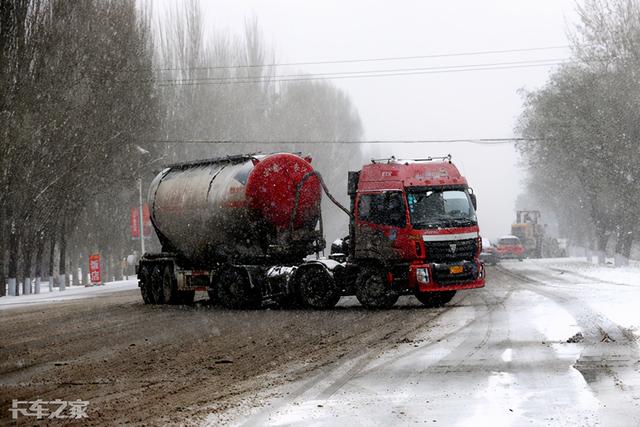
(510, 247)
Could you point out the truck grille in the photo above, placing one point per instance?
(451, 250)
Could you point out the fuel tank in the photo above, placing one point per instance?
(240, 209)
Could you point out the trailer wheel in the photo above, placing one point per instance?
(435, 299)
(318, 289)
(156, 285)
(235, 291)
(168, 288)
(144, 278)
(170, 291)
(373, 290)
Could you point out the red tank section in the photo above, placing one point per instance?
(271, 190)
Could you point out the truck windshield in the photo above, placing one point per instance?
(431, 208)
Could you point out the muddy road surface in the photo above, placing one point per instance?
(535, 347)
(177, 364)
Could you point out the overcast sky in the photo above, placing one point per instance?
(476, 104)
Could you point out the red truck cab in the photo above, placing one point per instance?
(414, 228)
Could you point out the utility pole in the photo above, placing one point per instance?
(141, 223)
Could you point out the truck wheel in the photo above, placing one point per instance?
(156, 285)
(235, 290)
(144, 279)
(318, 289)
(373, 290)
(168, 289)
(170, 292)
(435, 299)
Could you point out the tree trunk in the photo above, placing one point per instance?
(627, 244)
(74, 267)
(52, 251)
(27, 260)
(3, 252)
(119, 268)
(105, 268)
(14, 248)
(602, 237)
(619, 238)
(62, 272)
(84, 266)
(3, 276)
(38, 272)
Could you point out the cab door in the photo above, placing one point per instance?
(381, 221)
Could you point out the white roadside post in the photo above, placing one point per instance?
(26, 286)
(12, 286)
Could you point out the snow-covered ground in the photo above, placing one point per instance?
(546, 342)
(609, 290)
(607, 273)
(70, 293)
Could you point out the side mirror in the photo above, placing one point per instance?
(474, 202)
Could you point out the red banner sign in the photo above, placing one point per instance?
(134, 221)
(94, 268)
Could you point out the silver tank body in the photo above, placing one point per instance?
(201, 212)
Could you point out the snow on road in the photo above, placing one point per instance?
(606, 289)
(70, 293)
(495, 356)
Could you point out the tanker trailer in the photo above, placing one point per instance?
(240, 228)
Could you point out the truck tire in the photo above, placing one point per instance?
(235, 291)
(144, 279)
(373, 290)
(317, 289)
(435, 299)
(170, 292)
(156, 285)
(168, 289)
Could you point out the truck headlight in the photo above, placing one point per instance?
(422, 275)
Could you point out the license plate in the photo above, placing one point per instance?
(456, 269)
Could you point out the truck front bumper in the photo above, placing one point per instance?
(446, 276)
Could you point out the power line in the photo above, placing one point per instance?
(389, 58)
(363, 72)
(381, 74)
(483, 141)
